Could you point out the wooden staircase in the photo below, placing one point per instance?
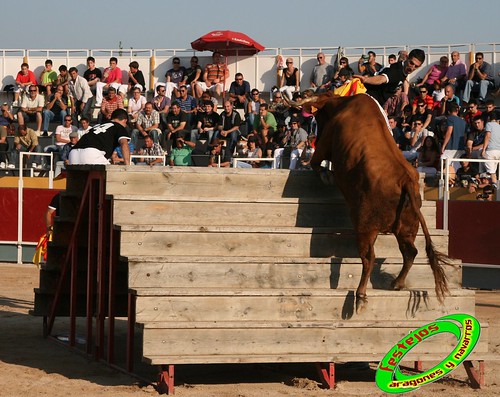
(254, 266)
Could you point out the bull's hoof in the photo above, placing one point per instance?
(361, 303)
(397, 285)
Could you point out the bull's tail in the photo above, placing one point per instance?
(436, 259)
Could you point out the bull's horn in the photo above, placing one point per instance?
(301, 102)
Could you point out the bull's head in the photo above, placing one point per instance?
(312, 103)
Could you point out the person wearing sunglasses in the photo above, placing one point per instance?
(31, 108)
(480, 77)
(174, 77)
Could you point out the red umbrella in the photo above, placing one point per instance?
(227, 42)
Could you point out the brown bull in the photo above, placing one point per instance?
(381, 188)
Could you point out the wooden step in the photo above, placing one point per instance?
(275, 341)
(163, 240)
(307, 212)
(276, 272)
(223, 304)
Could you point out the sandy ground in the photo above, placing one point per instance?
(34, 366)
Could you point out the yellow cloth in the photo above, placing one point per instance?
(41, 248)
(350, 87)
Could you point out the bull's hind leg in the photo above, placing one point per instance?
(409, 252)
(366, 241)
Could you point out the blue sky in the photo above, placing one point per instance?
(164, 24)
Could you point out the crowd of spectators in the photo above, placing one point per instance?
(438, 116)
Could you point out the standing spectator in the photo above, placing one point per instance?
(229, 126)
(111, 78)
(480, 76)
(456, 73)
(207, 123)
(109, 105)
(239, 91)
(135, 77)
(56, 108)
(371, 67)
(93, 75)
(26, 140)
(321, 75)
(148, 123)
(96, 147)
(214, 76)
(80, 96)
(151, 149)
(290, 80)
(161, 104)
(181, 153)
(435, 73)
(174, 78)
(47, 78)
(491, 150)
(192, 74)
(31, 108)
(24, 79)
(381, 86)
(454, 139)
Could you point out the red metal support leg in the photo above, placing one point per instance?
(166, 380)
(327, 374)
(476, 378)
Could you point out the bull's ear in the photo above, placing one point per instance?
(319, 101)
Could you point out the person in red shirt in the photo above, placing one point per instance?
(24, 79)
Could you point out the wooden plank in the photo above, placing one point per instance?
(234, 242)
(274, 273)
(285, 305)
(286, 341)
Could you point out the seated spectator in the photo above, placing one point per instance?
(174, 77)
(471, 112)
(435, 73)
(425, 115)
(369, 67)
(80, 96)
(405, 121)
(480, 77)
(347, 85)
(395, 129)
(109, 104)
(188, 105)
(63, 79)
(214, 76)
(151, 148)
(84, 127)
(161, 104)
(456, 73)
(264, 125)
(290, 79)
(437, 94)
(467, 175)
(56, 108)
(425, 97)
(135, 104)
(254, 151)
(321, 75)
(47, 78)
(416, 137)
(491, 150)
(293, 144)
(307, 153)
(117, 155)
(192, 74)
(207, 123)
(396, 103)
(24, 79)
(148, 123)
(64, 155)
(93, 75)
(253, 107)
(176, 122)
(490, 113)
(428, 157)
(135, 77)
(487, 195)
(6, 120)
(392, 58)
(111, 78)
(336, 81)
(308, 120)
(219, 156)
(449, 98)
(279, 108)
(229, 126)
(181, 153)
(26, 140)
(31, 108)
(239, 91)
(62, 137)
(475, 140)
